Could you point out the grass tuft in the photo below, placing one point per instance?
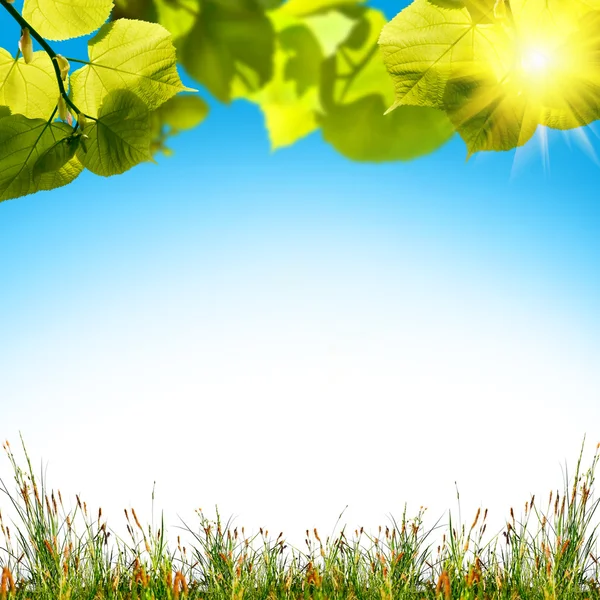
(548, 555)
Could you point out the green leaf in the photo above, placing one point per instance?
(303, 8)
(143, 10)
(131, 55)
(66, 174)
(60, 20)
(229, 41)
(290, 100)
(289, 104)
(304, 57)
(489, 115)
(355, 92)
(28, 89)
(269, 4)
(57, 156)
(120, 138)
(360, 132)
(330, 29)
(24, 142)
(178, 17)
(498, 77)
(425, 46)
(183, 112)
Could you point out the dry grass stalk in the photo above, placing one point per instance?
(139, 574)
(443, 586)
(7, 583)
(179, 585)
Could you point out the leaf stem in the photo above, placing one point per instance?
(47, 48)
(356, 68)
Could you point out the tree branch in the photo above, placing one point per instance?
(47, 48)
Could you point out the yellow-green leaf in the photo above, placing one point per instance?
(559, 46)
(67, 173)
(60, 20)
(490, 115)
(183, 112)
(229, 41)
(134, 9)
(28, 89)
(178, 17)
(131, 55)
(302, 8)
(330, 29)
(360, 131)
(120, 138)
(356, 90)
(290, 100)
(425, 46)
(24, 142)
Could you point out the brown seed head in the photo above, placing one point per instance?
(136, 519)
(7, 583)
(443, 586)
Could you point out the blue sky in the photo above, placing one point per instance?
(283, 334)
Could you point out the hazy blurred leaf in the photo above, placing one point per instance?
(135, 9)
(330, 29)
(269, 4)
(229, 40)
(290, 101)
(178, 16)
(304, 57)
(360, 131)
(355, 93)
(183, 112)
(303, 8)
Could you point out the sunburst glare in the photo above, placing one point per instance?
(536, 60)
(538, 147)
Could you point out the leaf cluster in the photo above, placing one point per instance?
(103, 116)
(308, 65)
(498, 68)
(491, 70)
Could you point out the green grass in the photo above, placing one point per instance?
(550, 554)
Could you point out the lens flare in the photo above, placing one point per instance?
(536, 61)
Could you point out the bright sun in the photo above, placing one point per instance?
(536, 60)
